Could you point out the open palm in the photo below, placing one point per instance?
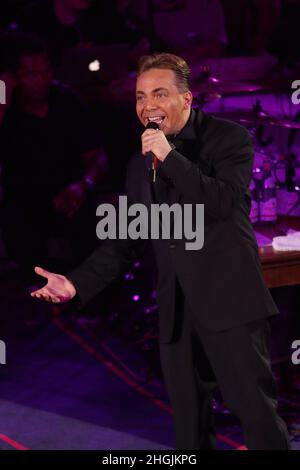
(57, 290)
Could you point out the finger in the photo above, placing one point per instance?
(34, 294)
(149, 147)
(151, 140)
(146, 149)
(153, 135)
(42, 272)
(43, 291)
(49, 297)
(45, 297)
(40, 294)
(42, 297)
(149, 132)
(148, 142)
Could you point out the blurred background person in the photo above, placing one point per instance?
(51, 159)
(82, 23)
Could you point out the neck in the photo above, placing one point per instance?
(185, 120)
(64, 13)
(38, 108)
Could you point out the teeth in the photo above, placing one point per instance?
(158, 119)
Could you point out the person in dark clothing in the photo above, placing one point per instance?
(213, 303)
(80, 23)
(50, 157)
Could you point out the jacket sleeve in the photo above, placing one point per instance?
(231, 161)
(107, 262)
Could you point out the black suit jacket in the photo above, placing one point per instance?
(223, 282)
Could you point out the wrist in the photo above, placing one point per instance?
(71, 288)
(167, 155)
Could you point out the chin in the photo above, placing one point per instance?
(163, 127)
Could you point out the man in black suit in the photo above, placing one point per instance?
(214, 305)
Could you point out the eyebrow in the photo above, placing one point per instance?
(153, 91)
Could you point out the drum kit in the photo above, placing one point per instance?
(283, 166)
(212, 89)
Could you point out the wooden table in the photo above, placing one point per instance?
(281, 268)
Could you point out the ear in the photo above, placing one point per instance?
(188, 98)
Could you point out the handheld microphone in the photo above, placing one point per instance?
(153, 125)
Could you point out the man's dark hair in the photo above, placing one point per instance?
(169, 62)
(18, 45)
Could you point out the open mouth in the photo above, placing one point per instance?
(158, 119)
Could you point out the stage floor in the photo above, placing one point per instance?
(66, 386)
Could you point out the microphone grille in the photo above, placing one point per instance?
(152, 125)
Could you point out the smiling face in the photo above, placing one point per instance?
(159, 99)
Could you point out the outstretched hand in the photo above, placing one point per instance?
(57, 290)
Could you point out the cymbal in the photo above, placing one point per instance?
(252, 119)
(205, 98)
(284, 123)
(213, 85)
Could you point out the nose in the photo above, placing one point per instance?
(150, 103)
